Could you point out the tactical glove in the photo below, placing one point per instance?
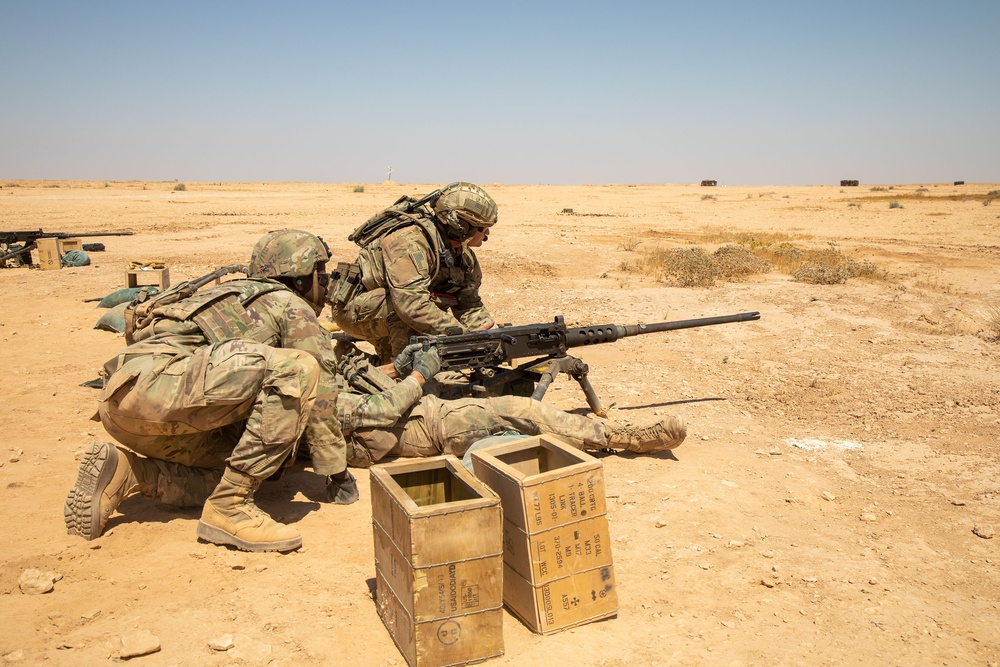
(427, 362)
(403, 363)
(341, 488)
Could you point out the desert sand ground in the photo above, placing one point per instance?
(842, 449)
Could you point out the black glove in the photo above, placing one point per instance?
(341, 488)
(403, 363)
(427, 362)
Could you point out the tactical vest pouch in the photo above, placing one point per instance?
(218, 312)
(347, 285)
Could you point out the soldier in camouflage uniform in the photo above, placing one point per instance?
(215, 393)
(400, 421)
(418, 272)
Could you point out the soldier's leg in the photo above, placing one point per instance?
(277, 420)
(146, 407)
(108, 474)
(453, 426)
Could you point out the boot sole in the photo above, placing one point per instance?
(221, 537)
(82, 512)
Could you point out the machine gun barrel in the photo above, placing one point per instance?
(609, 333)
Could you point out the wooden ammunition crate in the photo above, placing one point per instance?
(438, 561)
(558, 570)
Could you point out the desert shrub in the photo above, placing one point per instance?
(817, 273)
(829, 266)
(990, 196)
(992, 318)
(180, 187)
(866, 269)
(629, 243)
(735, 260)
(704, 197)
(359, 188)
(687, 267)
(895, 204)
(877, 188)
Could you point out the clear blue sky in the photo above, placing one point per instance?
(753, 93)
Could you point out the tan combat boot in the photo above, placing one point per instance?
(666, 434)
(230, 517)
(106, 477)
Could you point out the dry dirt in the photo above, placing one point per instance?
(822, 511)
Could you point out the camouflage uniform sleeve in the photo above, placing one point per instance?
(470, 310)
(381, 410)
(408, 257)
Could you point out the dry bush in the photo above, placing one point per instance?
(629, 243)
(992, 317)
(688, 267)
(829, 266)
(734, 260)
(821, 274)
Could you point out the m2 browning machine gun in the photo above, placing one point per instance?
(14, 245)
(483, 352)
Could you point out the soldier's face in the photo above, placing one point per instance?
(481, 235)
(318, 286)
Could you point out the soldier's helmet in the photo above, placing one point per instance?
(287, 253)
(463, 207)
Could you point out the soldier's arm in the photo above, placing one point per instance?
(408, 259)
(380, 410)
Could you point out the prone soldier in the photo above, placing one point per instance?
(380, 417)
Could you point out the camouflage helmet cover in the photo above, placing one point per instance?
(463, 206)
(287, 253)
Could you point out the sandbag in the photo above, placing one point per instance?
(75, 258)
(123, 295)
(114, 319)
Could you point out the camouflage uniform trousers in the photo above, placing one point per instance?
(238, 403)
(435, 426)
(383, 328)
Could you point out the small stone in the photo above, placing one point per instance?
(198, 554)
(828, 496)
(14, 656)
(91, 615)
(731, 485)
(704, 437)
(705, 566)
(139, 643)
(660, 524)
(728, 624)
(93, 546)
(766, 582)
(767, 554)
(775, 452)
(734, 544)
(223, 643)
(36, 582)
(868, 516)
(957, 503)
(261, 567)
(983, 530)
